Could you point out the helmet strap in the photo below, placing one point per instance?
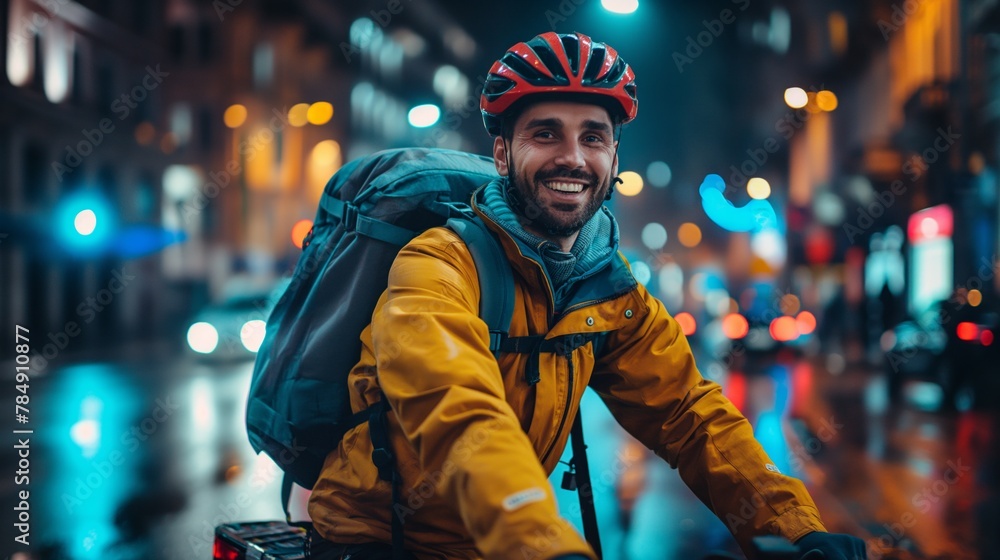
(615, 179)
(513, 197)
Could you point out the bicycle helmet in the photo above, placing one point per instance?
(563, 65)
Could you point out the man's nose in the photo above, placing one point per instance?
(570, 155)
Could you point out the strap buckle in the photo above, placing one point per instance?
(350, 217)
(496, 341)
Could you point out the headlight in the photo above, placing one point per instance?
(252, 334)
(202, 337)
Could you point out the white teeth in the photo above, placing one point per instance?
(565, 187)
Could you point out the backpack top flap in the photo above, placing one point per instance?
(391, 184)
(298, 402)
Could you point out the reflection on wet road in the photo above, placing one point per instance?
(131, 460)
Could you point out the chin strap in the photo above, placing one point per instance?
(616, 179)
(611, 187)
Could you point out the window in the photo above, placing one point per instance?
(176, 42)
(206, 42)
(204, 128)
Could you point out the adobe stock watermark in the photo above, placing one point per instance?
(133, 438)
(984, 275)
(566, 9)
(803, 451)
(219, 180)
(901, 11)
(454, 117)
(696, 44)
(223, 7)
(86, 311)
(382, 17)
(29, 26)
(94, 137)
(231, 511)
(464, 448)
(789, 123)
(542, 540)
(914, 168)
(923, 501)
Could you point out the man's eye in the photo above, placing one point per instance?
(594, 138)
(544, 134)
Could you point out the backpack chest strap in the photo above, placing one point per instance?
(535, 345)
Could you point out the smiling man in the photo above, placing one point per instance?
(475, 437)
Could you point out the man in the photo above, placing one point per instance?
(475, 437)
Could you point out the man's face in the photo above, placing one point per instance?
(563, 154)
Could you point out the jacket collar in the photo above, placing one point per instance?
(612, 280)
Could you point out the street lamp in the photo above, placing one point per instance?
(620, 6)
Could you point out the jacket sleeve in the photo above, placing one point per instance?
(647, 376)
(444, 385)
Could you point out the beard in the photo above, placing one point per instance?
(555, 219)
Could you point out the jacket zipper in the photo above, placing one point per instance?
(562, 421)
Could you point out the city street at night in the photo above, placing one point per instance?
(532, 280)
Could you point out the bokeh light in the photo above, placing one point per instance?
(806, 322)
(967, 331)
(735, 326)
(145, 133)
(631, 184)
(641, 272)
(826, 100)
(758, 188)
(319, 113)
(300, 230)
(975, 297)
(620, 6)
(252, 334)
(85, 222)
(298, 115)
(423, 116)
(789, 304)
(654, 236)
(784, 329)
(235, 116)
(659, 174)
(796, 97)
(687, 323)
(689, 234)
(202, 337)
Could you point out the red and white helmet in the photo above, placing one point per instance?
(559, 64)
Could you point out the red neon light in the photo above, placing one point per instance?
(931, 223)
(967, 331)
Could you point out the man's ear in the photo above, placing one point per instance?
(500, 156)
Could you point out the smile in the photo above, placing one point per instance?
(564, 187)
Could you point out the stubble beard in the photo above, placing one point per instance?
(535, 214)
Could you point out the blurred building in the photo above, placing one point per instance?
(222, 123)
(79, 80)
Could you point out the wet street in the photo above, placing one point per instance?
(142, 456)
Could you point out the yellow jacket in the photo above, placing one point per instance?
(475, 443)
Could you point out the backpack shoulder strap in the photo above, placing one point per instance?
(496, 281)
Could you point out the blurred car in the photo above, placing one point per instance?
(914, 351)
(234, 328)
(761, 339)
(971, 355)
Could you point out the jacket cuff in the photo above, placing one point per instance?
(796, 522)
